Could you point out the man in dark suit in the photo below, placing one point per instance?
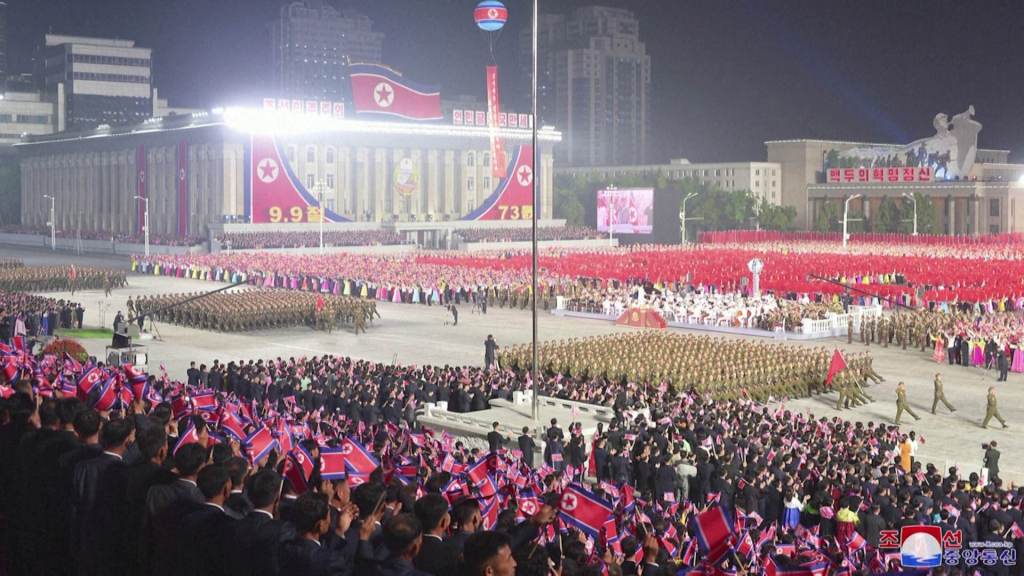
(193, 374)
(992, 460)
(490, 347)
(489, 553)
(93, 525)
(237, 505)
(316, 550)
(167, 505)
(495, 441)
(209, 526)
(402, 537)
(527, 446)
(436, 556)
(258, 537)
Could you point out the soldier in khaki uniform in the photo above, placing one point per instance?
(939, 395)
(992, 409)
(901, 403)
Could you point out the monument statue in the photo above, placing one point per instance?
(950, 153)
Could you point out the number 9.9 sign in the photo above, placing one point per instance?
(293, 214)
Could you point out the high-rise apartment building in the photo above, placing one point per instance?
(96, 81)
(594, 84)
(312, 42)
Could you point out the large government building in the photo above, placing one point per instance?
(264, 166)
(972, 190)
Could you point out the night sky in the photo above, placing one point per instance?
(727, 74)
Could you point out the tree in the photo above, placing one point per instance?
(10, 192)
(827, 218)
(776, 217)
(890, 216)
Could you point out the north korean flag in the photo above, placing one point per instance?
(12, 371)
(107, 396)
(291, 470)
(260, 443)
(584, 510)
(380, 90)
(90, 378)
(714, 532)
(358, 459)
(304, 460)
(207, 401)
(189, 437)
(477, 473)
(232, 425)
(332, 464)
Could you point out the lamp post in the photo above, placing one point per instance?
(53, 221)
(534, 371)
(145, 221)
(682, 217)
(913, 199)
(846, 216)
(320, 200)
(611, 192)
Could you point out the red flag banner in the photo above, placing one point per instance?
(380, 90)
(837, 365)
(498, 161)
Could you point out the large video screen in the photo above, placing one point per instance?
(628, 211)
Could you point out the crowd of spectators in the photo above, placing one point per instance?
(319, 466)
(135, 238)
(307, 239)
(545, 233)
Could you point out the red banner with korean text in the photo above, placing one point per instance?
(493, 111)
(879, 175)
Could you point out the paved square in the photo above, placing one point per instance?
(416, 334)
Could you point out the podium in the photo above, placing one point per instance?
(642, 317)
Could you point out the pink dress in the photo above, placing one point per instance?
(1018, 360)
(940, 350)
(978, 355)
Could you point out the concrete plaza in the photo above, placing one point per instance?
(415, 334)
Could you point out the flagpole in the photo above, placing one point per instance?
(533, 236)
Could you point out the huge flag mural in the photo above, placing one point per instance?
(274, 194)
(379, 90)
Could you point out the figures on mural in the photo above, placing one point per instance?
(950, 153)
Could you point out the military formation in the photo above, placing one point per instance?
(59, 278)
(9, 263)
(249, 310)
(722, 368)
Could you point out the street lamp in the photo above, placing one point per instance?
(610, 192)
(846, 216)
(145, 221)
(319, 189)
(913, 199)
(53, 221)
(534, 368)
(682, 216)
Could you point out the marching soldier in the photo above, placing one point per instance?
(901, 403)
(992, 409)
(940, 396)
(849, 329)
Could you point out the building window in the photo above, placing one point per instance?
(487, 159)
(291, 155)
(757, 172)
(993, 207)
(470, 184)
(330, 155)
(993, 229)
(330, 181)
(470, 159)
(757, 183)
(487, 183)
(310, 181)
(773, 182)
(310, 154)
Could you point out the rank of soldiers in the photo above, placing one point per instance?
(723, 368)
(248, 310)
(58, 278)
(9, 263)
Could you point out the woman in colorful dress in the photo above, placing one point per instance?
(940, 347)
